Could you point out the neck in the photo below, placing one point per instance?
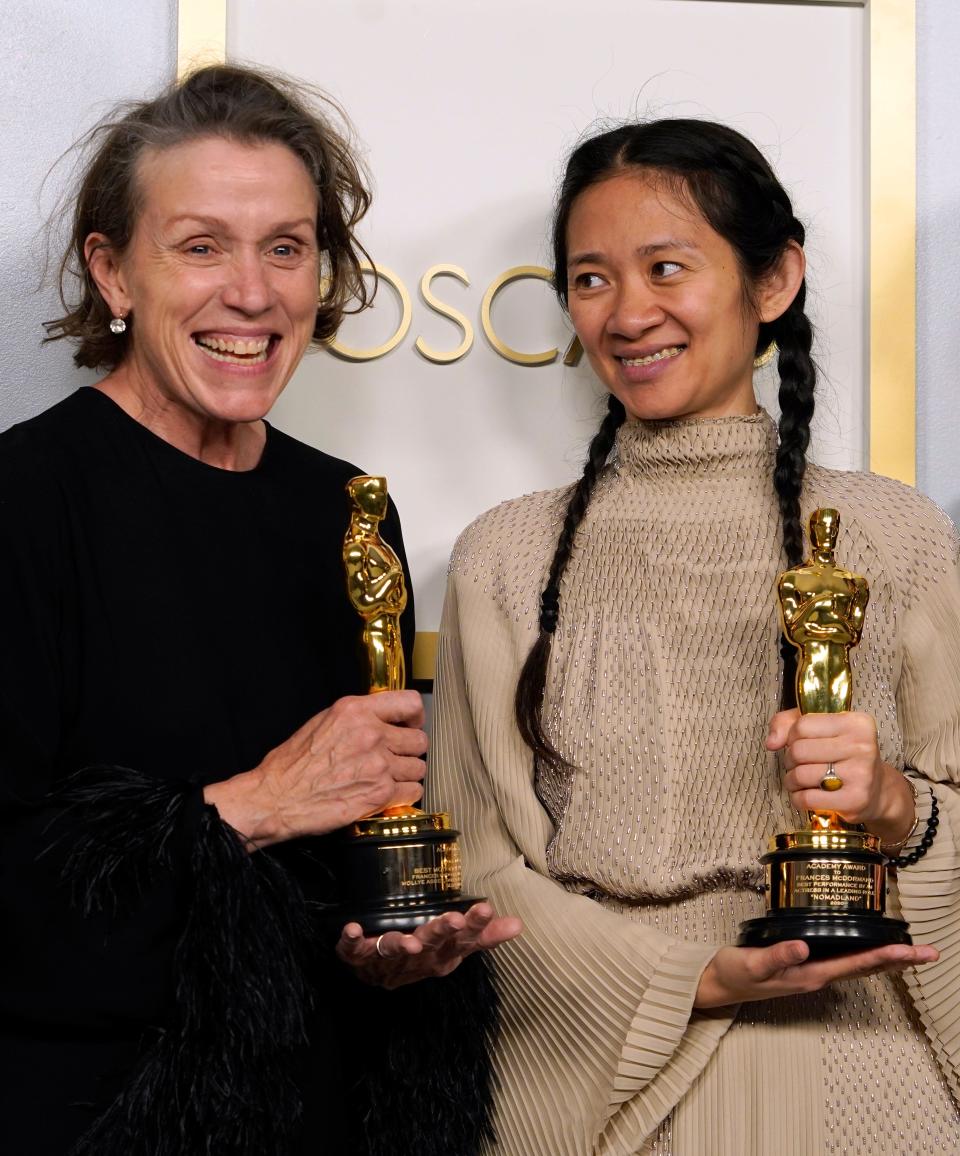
(235, 446)
(364, 523)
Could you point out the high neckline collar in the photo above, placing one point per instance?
(680, 448)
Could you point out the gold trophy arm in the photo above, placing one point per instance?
(371, 585)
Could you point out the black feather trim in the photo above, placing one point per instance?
(219, 1079)
(428, 1090)
(116, 829)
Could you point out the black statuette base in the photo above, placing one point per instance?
(825, 932)
(396, 872)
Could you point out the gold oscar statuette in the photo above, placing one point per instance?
(826, 883)
(402, 867)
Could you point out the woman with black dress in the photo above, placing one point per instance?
(182, 716)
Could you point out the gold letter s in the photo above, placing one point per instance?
(445, 310)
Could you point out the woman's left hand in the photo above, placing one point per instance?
(873, 793)
(433, 949)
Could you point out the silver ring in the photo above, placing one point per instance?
(379, 948)
(831, 781)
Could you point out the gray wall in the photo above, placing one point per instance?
(938, 252)
(62, 64)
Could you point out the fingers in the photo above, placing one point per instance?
(433, 948)
(407, 742)
(407, 770)
(403, 707)
(780, 726)
(396, 945)
(404, 795)
(895, 957)
(738, 974)
(766, 962)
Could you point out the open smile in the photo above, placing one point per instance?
(237, 350)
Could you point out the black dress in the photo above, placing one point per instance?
(164, 624)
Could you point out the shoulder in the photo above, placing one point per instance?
(914, 536)
(524, 527)
(36, 455)
(59, 424)
(297, 456)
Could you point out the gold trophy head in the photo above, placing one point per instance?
(369, 494)
(824, 527)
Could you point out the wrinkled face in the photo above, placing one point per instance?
(220, 276)
(658, 301)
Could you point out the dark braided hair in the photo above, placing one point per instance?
(728, 180)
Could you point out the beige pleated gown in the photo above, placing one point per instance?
(631, 871)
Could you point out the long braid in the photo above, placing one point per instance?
(528, 702)
(794, 336)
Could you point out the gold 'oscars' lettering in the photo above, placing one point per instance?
(572, 353)
(345, 353)
(517, 273)
(441, 357)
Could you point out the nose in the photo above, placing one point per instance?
(248, 288)
(636, 309)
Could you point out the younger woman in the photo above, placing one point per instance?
(609, 728)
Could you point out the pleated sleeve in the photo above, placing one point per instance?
(599, 1038)
(928, 703)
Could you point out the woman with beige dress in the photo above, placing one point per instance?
(610, 729)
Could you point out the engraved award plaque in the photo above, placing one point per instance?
(827, 883)
(400, 868)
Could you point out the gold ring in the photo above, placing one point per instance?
(378, 947)
(831, 781)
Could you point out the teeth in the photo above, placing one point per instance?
(241, 348)
(233, 358)
(660, 355)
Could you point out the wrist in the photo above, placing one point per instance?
(897, 821)
(243, 804)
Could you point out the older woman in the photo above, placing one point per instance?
(180, 687)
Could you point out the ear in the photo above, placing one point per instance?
(106, 271)
(776, 291)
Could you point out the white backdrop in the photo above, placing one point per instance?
(465, 110)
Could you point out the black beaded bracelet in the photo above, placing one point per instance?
(925, 843)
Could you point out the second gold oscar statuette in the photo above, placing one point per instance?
(826, 883)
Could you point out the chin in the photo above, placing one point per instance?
(239, 405)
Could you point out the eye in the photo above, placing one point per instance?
(199, 248)
(666, 268)
(285, 249)
(587, 281)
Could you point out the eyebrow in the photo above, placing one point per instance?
(650, 250)
(215, 224)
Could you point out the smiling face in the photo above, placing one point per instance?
(220, 281)
(659, 303)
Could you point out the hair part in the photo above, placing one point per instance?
(728, 180)
(232, 102)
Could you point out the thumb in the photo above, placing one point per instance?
(780, 727)
(781, 956)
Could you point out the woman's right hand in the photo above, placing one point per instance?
(355, 758)
(742, 974)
